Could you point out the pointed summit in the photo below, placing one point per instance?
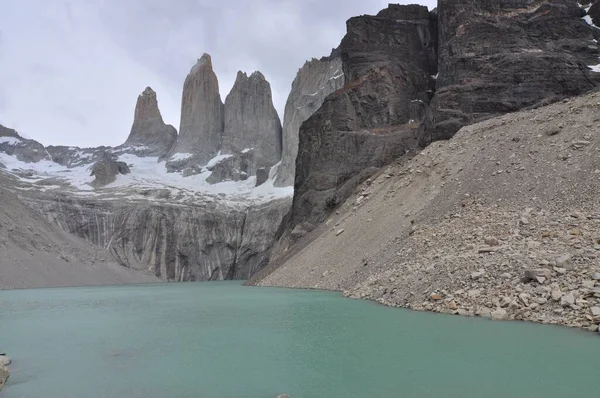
(147, 107)
(204, 61)
(149, 129)
(201, 128)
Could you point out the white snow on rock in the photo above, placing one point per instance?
(10, 140)
(180, 156)
(146, 173)
(217, 159)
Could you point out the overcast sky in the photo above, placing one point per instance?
(71, 70)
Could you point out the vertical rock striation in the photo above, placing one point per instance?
(201, 129)
(176, 243)
(251, 121)
(148, 129)
(314, 81)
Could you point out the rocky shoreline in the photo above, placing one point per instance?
(484, 275)
(501, 221)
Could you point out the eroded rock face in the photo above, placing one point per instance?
(149, 130)
(314, 81)
(251, 121)
(201, 130)
(594, 13)
(176, 243)
(388, 61)
(501, 56)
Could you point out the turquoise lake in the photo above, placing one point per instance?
(223, 340)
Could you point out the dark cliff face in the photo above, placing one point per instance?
(501, 56)
(388, 62)
(594, 13)
(414, 75)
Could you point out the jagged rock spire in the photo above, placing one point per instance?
(149, 129)
(251, 121)
(201, 129)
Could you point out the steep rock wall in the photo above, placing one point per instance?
(388, 61)
(501, 56)
(314, 81)
(176, 243)
(251, 121)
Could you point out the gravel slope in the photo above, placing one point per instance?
(502, 221)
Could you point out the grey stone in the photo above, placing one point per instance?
(251, 122)
(313, 83)
(477, 275)
(563, 261)
(148, 129)
(588, 284)
(262, 175)
(567, 300)
(556, 295)
(202, 117)
(492, 241)
(536, 274)
(499, 314)
(4, 375)
(107, 169)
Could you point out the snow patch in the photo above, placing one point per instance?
(247, 150)
(180, 156)
(10, 140)
(146, 173)
(217, 159)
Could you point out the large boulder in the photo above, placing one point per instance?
(106, 170)
(149, 132)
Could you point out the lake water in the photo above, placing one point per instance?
(222, 340)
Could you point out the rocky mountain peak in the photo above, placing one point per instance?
(147, 107)
(203, 62)
(257, 75)
(149, 131)
(201, 129)
(251, 121)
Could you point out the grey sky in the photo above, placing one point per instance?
(71, 70)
